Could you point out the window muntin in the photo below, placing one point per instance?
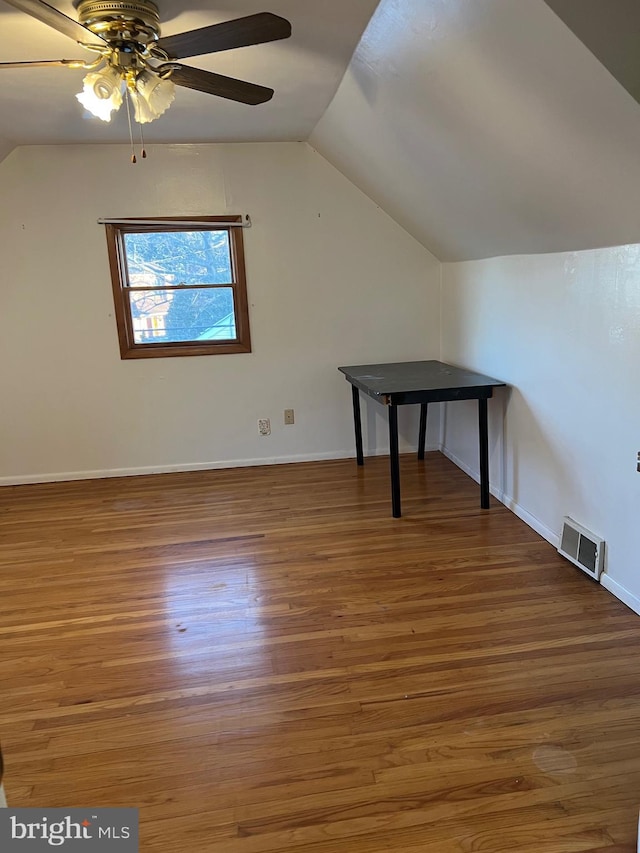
(179, 291)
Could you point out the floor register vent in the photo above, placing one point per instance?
(581, 547)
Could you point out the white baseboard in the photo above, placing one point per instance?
(621, 592)
(103, 473)
(529, 519)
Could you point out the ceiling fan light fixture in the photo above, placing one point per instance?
(153, 95)
(133, 58)
(102, 93)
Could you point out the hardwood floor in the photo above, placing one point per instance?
(264, 661)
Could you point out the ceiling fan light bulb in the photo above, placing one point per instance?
(101, 93)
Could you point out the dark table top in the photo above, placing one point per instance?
(407, 376)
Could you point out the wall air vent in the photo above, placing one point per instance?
(580, 546)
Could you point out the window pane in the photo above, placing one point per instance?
(178, 257)
(166, 316)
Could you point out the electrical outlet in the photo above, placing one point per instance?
(264, 426)
(288, 416)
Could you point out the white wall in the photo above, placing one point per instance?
(564, 331)
(332, 280)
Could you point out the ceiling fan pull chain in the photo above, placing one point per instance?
(126, 97)
(143, 151)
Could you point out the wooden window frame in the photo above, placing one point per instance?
(120, 281)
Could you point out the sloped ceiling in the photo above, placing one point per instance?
(484, 127)
(487, 128)
(611, 30)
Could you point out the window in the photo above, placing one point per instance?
(179, 289)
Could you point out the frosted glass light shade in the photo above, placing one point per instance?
(152, 97)
(101, 93)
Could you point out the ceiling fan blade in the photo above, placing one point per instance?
(241, 32)
(217, 84)
(58, 20)
(43, 63)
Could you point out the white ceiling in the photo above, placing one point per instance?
(483, 127)
(37, 106)
(486, 128)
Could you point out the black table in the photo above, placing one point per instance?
(420, 382)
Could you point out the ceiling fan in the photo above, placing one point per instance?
(131, 58)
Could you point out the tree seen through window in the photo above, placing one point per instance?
(179, 286)
(156, 260)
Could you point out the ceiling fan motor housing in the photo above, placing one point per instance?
(121, 20)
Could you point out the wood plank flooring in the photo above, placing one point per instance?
(264, 661)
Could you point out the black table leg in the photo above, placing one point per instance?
(357, 422)
(395, 461)
(483, 432)
(422, 434)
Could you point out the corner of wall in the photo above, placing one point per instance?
(441, 432)
(6, 148)
(441, 289)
